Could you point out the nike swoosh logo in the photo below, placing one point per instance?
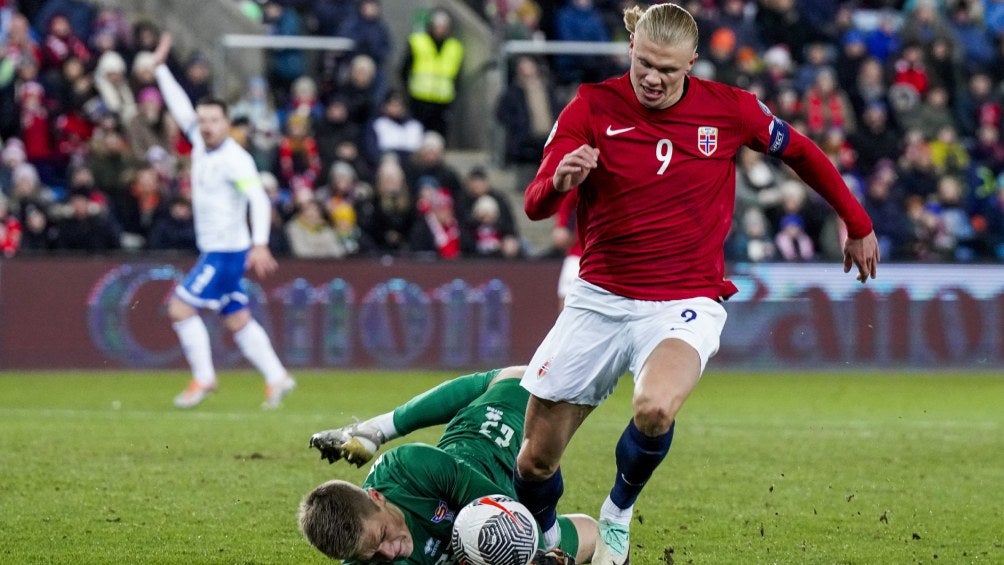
(611, 131)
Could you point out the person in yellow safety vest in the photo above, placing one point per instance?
(430, 67)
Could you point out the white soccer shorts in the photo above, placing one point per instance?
(569, 273)
(599, 335)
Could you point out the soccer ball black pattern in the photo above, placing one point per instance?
(494, 530)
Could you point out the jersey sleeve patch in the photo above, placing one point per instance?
(779, 133)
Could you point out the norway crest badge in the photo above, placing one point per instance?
(707, 140)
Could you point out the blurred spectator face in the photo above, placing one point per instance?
(817, 54)
(477, 185)
(362, 72)
(826, 82)
(980, 85)
(442, 208)
(394, 108)
(17, 33)
(104, 41)
(347, 151)
(181, 209)
(27, 71)
(369, 10)
(343, 178)
(913, 56)
(870, 72)
(988, 135)
(390, 179)
(80, 206)
(926, 12)
(937, 97)
(213, 124)
(432, 149)
(854, 47)
(529, 15)
(949, 190)
(35, 220)
(881, 183)
(147, 180)
(145, 36)
(115, 142)
(273, 11)
(787, 101)
(310, 213)
(875, 116)
(526, 69)
(947, 135)
(12, 154)
(197, 71)
(486, 210)
(59, 26)
(915, 209)
(304, 88)
(73, 69)
(440, 24)
(82, 178)
(336, 112)
(143, 68)
(298, 126)
(32, 96)
(792, 196)
(734, 8)
(25, 179)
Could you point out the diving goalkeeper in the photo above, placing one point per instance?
(405, 509)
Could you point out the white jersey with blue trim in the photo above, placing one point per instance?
(219, 205)
(225, 182)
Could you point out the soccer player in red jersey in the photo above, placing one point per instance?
(652, 156)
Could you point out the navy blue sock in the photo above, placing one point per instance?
(638, 455)
(540, 497)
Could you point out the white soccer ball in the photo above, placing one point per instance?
(494, 530)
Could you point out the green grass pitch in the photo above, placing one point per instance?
(808, 468)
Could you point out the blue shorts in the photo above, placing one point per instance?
(216, 282)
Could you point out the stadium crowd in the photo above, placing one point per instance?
(904, 96)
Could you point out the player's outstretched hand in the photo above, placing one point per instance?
(356, 443)
(863, 253)
(163, 49)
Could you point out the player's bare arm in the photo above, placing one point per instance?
(261, 261)
(574, 167)
(864, 253)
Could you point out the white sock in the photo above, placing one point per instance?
(385, 423)
(612, 513)
(194, 338)
(255, 345)
(552, 537)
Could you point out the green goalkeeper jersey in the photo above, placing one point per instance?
(487, 433)
(475, 457)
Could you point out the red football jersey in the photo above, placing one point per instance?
(654, 215)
